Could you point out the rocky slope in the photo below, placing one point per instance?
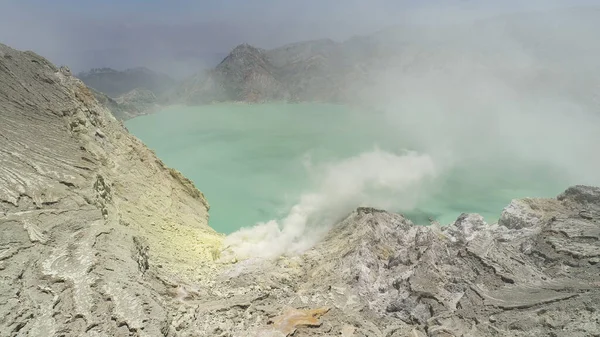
(535, 273)
(112, 105)
(244, 75)
(82, 203)
(135, 103)
(138, 102)
(129, 93)
(99, 238)
(115, 83)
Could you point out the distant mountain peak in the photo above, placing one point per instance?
(115, 83)
(244, 52)
(360, 68)
(245, 47)
(103, 70)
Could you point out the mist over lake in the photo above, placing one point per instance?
(256, 162)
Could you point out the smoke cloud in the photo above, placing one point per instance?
(377, 178)
(510, 90)
(184, 36)
(514, 98)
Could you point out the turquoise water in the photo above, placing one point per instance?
(254, 162)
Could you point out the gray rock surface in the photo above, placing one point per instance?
(99, 238)
(138, 102)
(76, 190)
(112, 105)
(135, 103)
(116, 83)
(383, 276)
(246, 75)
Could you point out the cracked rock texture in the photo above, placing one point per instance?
(135, 103)
(76, 190)
(99, 238)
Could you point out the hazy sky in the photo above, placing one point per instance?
(181, 35)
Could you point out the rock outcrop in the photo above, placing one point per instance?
(250, 74)
(115, 83)
(113, 106)
(380, 275)
(135, 103)
(244, 75)
(138, 102)
(99, 238)
(129, 93)
(87, 213)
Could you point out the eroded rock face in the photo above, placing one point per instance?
(75, 191)
(138, 102)
(99, 238)
(383, 276)
(245, 75)
(116, 83)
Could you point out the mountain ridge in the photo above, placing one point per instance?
(115, 83)
(520, 50)
(100, 238)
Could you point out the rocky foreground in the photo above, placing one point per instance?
(99, 238)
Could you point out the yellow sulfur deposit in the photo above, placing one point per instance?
(293, 319)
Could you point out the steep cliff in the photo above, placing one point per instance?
(116, 83)
(99, 238)
(112, 105)
(244, 75)
(135, 103)
(82, 203)
(138, 102)
(535, 273)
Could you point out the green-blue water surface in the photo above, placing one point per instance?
(249, 160)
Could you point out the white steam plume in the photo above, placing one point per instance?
(377, 178)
